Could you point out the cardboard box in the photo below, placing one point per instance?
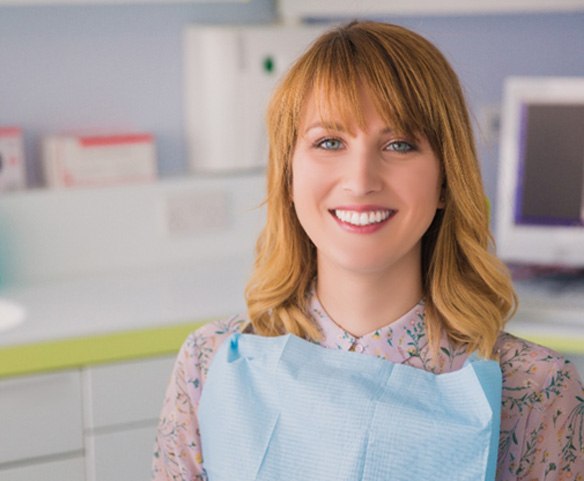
(98, 160)
(12, 172)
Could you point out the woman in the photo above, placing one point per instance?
(377, 242)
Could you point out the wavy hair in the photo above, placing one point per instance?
(468, 291)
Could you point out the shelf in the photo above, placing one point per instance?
(297, 9)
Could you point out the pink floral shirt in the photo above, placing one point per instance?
(542, 417)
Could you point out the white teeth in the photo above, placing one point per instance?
(362, 218)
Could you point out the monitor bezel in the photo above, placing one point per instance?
(559, 245)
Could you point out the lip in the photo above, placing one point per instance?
(362, 229)
(361, 208)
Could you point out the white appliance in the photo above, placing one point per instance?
(230, 73)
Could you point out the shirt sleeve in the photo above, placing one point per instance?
(552, 444)
(177, 451)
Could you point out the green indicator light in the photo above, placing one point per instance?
(269, 64)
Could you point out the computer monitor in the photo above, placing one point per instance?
(540, 204)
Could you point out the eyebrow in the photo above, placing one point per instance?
(339, 127)
(326, 126)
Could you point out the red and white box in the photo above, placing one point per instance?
(99, 160)
(12, 173)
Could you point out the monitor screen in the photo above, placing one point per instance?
(540, 205)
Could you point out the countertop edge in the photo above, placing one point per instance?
(76, 353)
(562, 344)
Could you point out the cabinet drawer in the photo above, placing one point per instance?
(121, 456)
(127, 392)
(40, 415)
(66, 470)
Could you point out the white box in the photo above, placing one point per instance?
(12, 175)
(98, 160)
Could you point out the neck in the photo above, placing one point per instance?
(362, 302)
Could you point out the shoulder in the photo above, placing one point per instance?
(201, 345)
(542, 411)
(533, 374)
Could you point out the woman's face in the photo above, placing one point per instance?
(364, 197)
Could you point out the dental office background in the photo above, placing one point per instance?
(120, 66)
(150, 257)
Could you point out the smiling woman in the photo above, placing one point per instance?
(389, 75)
(374, 277)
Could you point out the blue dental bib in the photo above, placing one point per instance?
(282, 408)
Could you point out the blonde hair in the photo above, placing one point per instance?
(468, 292)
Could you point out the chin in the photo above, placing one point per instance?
(367, 265)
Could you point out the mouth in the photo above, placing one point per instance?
(362, 218)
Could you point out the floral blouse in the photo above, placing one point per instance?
(542, 413)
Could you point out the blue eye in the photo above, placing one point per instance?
(400, 146)
(330, 144)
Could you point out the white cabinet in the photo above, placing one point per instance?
(125, 393)
(60, 470)
(123, 402)
(41, 417)
(121, 455)
(97, 424)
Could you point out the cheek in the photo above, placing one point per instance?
(429, 185)
(304, 178)
(307, 194)
(420, 182)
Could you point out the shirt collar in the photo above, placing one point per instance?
(401, 341)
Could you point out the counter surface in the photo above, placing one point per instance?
(81, 322)
(114, 317)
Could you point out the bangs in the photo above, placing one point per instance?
(343, 63)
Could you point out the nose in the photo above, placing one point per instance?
(361, 175)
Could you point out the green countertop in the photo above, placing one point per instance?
(566, 345)
(78, 352)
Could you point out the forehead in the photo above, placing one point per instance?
(347, 110)
(335, 106)
(329, 109)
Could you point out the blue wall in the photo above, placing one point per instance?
(103, 67)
